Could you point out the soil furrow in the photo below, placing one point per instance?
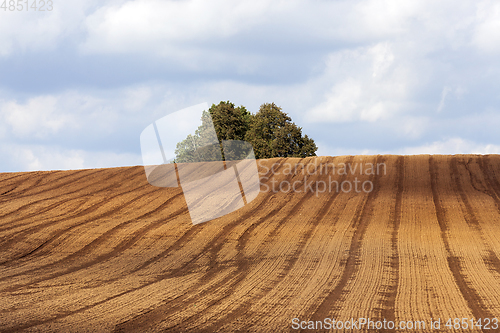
(13, 239)
(474, 301)
(212, 249)
(315, 219)
(85, 251)
(103, 250)
(362, 217)
(389, 305)
(57, 204)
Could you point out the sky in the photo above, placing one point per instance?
(79, 83)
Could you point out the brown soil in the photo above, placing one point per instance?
(102, 250)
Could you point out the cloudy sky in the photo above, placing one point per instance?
(78, 84)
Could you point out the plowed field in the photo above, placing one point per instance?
(102, 250)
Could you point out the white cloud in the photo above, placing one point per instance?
(411, 127)
(324, 149)
(30, 31)
(37, 118)
(450, 146)
(76, 112)
(370, 84)
(384, 18)
(444, 93)
(457, 92)
(137, 97)
(160, 26)
(454, 145)
(18, 157)
(187, 29)
(389, 63)
(487, 32)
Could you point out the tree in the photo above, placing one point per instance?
(270, 131)
(230, 122)
(203, 146)
(273, 134)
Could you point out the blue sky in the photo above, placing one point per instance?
(78, 84)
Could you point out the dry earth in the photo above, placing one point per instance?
(102, 250)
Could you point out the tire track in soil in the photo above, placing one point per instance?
(55, 205)
(186, 240)
(5, 180)
(53, 184)
(491, 260)
(492, 183)
(493, 190)
(29, 187)
(243, 263)
(226, 230)
(317, 219)
(360, 222)
(8, 191)
(160, 277)
(156, 315)
(5, 226)
(13, 225)
(66, 314)
(470, 295)
(56, 234)
(125, 245)
(22, 194)
(389, 304)
(213, 248)
(119, 248)
(469, 215)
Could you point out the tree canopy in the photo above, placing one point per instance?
(203, 145)
(230, 122)
(270, 131)
(273, 134)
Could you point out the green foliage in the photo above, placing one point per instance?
(203, 146)
(230, 122)
(273, 134)
(270, 131)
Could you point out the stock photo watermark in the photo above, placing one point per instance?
(356, 324)
(325, 185)
(27, 5)
(216, 178)
(182, 150)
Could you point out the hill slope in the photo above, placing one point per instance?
(103, 250)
